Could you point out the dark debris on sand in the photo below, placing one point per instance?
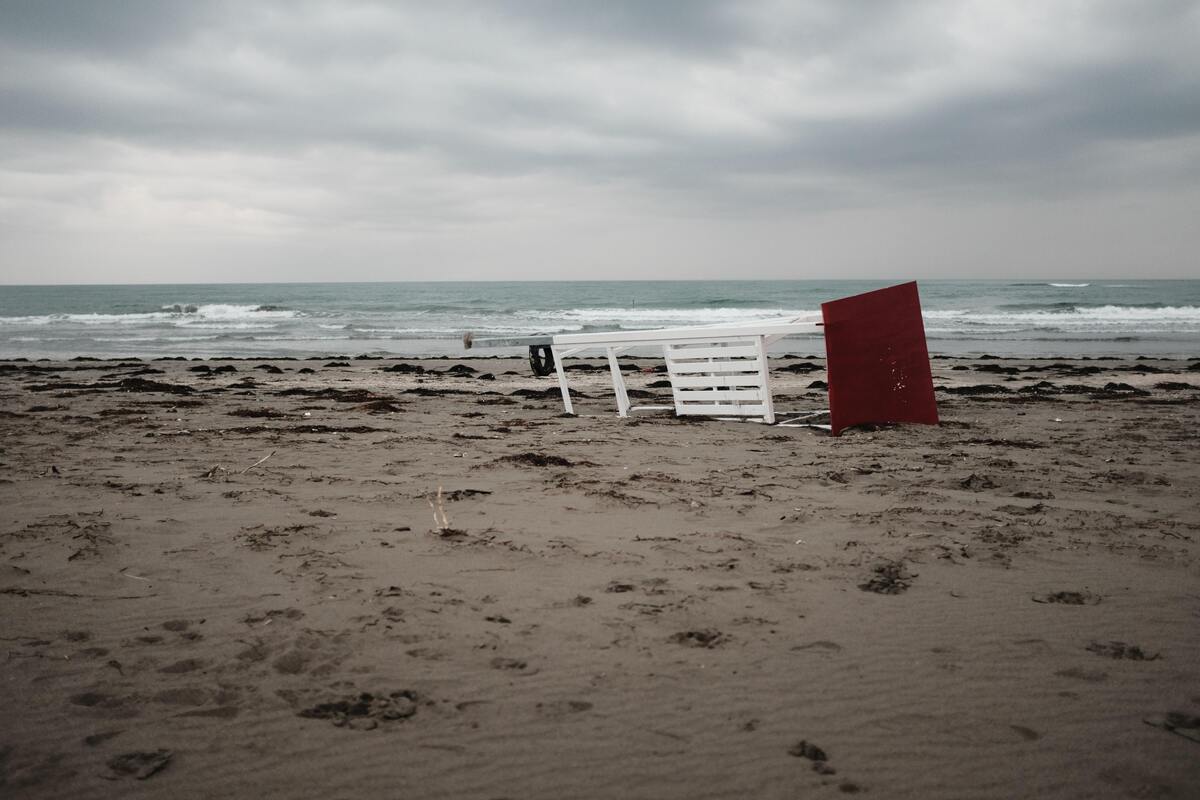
(1068, 598)
(140, 765)
(1121, 650)
(537, 460)
(891, 577)
(1179, 723)
(704, 637)
(364, 711)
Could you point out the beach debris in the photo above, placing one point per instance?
(1121, 650)
(537, 460)
(94, 739)
(329, 393)
(380, 406)
(441, 523)
(802, 368)
(256, 463)
(518, 665)
(1068, 598)
(265, 413)
(252, 429)
(1036, 508)
(890, 577)
(818, 757)
(365, 710)
(140, 765)
(143, 385)
(542, 394)
(1178, 723)
(807, 749)
(976, 389)
(976, 483)
(703, 637)
(459, 494)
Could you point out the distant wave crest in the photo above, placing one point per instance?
(173, 314)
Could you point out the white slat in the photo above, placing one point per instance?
(715, 367)
(711, 381)
(708, 395)
(676, 352)
(714, 409)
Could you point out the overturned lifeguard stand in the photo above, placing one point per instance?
(877, 362)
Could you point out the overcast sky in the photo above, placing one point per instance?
(143, 140)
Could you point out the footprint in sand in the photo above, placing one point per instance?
(1090, 676)
(140, 765)
(518, 665)
(106, 705)
(185, 696)
(562, 708)
(291, 663)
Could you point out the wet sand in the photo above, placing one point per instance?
(225, 578)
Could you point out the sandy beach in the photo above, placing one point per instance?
(235, 578)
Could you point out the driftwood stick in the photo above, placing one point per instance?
(440, 522)
(256, 463)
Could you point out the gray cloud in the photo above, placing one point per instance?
(264, 122)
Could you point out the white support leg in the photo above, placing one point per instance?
(618, 383)
(764, 376)
(562, 379)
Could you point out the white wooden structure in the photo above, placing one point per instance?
(715, 370)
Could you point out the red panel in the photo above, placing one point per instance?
(878, 362)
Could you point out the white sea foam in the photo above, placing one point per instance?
(650, 315)
(1070, 285)
(203, 314)
(1103, 315)
(492, 330)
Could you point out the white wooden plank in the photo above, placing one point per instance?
(714, 409)
(562, 379)
(740, 350)
(765, 374)
(618, 383)
(713, 367)
(708, 395)
(711, 381)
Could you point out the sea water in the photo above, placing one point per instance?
(1028, 318)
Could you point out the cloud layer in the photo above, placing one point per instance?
(335, 140)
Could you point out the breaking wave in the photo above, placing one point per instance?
(172, 314)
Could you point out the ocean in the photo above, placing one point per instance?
(1026, 318)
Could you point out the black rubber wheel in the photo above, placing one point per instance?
(541, 359)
